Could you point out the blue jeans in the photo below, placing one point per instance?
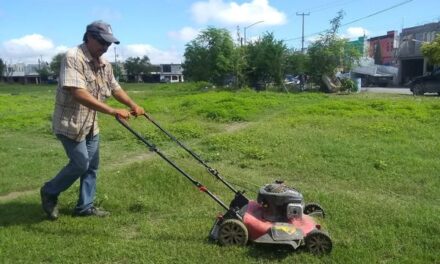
(83, 164)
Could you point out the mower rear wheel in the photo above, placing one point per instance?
(318, 243)
(233, 232)
(311, 208)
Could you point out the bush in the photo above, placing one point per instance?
(348, 85)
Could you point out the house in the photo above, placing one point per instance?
(171, 73)
(410, 60)
(22, 73)
(382, 48)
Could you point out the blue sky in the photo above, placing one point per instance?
(160, 29)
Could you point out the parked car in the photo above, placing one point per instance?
(426, 84)
(291, 79)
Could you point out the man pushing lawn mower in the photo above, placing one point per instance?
(86, 80)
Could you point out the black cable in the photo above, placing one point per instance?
(356, 20)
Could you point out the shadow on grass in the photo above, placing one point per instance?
(271, 252)
(20, 213)
(267, 252)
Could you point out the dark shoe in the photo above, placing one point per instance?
(92, 211)
(49, 204)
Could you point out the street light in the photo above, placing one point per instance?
(258, 22)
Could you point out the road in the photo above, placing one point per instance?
(394, 90)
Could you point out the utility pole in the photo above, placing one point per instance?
(239, 38)
(116, 66)
(302, 39)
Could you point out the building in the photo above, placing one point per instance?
(410, 60)
(171, 73)
(360, 45)
(382, 48)
(22, 73)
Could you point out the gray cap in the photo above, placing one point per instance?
(104, 30)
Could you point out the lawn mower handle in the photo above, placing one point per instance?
(153, 148)
(212, 171)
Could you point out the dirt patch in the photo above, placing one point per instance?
(14, 195)
(230, 128)
(233, 127)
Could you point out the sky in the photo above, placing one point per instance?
(33, 30)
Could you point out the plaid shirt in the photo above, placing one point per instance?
(78, 69)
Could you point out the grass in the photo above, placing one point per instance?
(371, 160)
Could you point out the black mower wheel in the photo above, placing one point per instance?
(318, 243)
(311, 208)
(233, 232)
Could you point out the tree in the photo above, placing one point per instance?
(265, 60)
(55, 64)
(44, 71)
(295, 62)
(432, 51)
(136, 67)
(117, 71)
(209, 57)
(2, 68)
(330, 53)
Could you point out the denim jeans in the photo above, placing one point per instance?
(83, 163)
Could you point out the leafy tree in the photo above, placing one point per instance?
(44, 71)
(331, 53)
(117, 71)
(295, 62)
(265, 60)
(432, 51)
(136, 67)
(2, 67)
(55, 64)
(210, 56)
(239, 63)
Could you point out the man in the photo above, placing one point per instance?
(86, 80)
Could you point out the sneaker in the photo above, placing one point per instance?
(92, 211)
(49, 204)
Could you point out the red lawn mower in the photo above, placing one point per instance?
(278, 216)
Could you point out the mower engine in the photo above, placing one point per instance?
(280, 203)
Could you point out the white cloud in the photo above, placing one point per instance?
(355, 32)
(29, 49)
(185, 34)
(234, 13)
(139, 50)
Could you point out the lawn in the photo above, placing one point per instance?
(371, 160)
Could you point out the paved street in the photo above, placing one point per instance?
(395, 90)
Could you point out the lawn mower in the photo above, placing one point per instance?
(278, 216)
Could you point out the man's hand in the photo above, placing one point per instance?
(122, 113)
(137, 110)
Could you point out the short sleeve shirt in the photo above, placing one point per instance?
(79, 70)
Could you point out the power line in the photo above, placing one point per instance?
(378, 12)
(356, 20)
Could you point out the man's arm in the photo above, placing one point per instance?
(86, 99)
(123, 97)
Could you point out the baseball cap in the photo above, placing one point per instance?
(104, 30)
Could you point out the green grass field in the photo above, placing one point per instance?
(371, 160)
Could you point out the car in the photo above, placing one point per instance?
(429, 83)
(291, 79)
